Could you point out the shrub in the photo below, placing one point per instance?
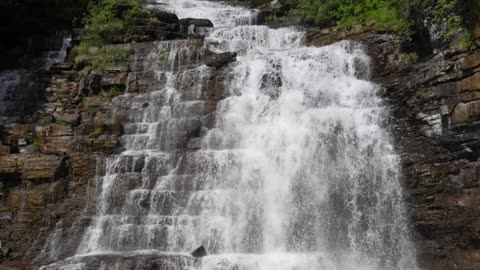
(383, 14)
(111, 17)
(463, 42)
(113, 92)
(104, 21)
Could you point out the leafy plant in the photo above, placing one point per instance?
(113, 92)
(463, 42)
(105, 21)
(111, 17)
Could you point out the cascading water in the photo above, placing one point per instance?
(297, 173)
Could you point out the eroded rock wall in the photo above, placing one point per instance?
(434, 104)
(51, 156)
(435, 120)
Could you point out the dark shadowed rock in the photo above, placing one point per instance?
(199, 252)
(164, 16)
(120, 9)
(196, 22)
(220, 59)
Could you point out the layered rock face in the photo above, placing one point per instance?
(434, 103)
(435, 117)
(53, 156)
(53, 153)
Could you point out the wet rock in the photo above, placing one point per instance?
(92, 83)
(196, 22)
(199, 252)
(164, 16)
(193, 26)
(70, 118)
(114, 78)
(83, 167)
(139, 82)
(435, 111)
(220, 59)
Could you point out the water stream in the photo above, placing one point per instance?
(298, 171)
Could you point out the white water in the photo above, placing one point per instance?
(298, 172)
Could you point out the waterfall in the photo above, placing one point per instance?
(297, 172)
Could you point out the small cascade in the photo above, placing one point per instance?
(296, 170)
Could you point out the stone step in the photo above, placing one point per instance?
(166, 202)
(163, 233)
(171, 55)
(156, 162)
(165, 135)
(190, 182)
(138, 260)
(212, 162)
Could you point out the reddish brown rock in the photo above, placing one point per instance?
(465, 111)
(470, 83)
(33, 167)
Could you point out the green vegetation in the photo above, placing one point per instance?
(96, 133)
(381, 14)
(98, 59)
(113, 92)
(111, 18)
(104, 23)
(463, 42)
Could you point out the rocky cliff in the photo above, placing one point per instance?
(433, 95)
(51, 154)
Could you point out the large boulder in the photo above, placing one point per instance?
(196, 22)
(164, 16)
(194, 26)
(218, 60)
